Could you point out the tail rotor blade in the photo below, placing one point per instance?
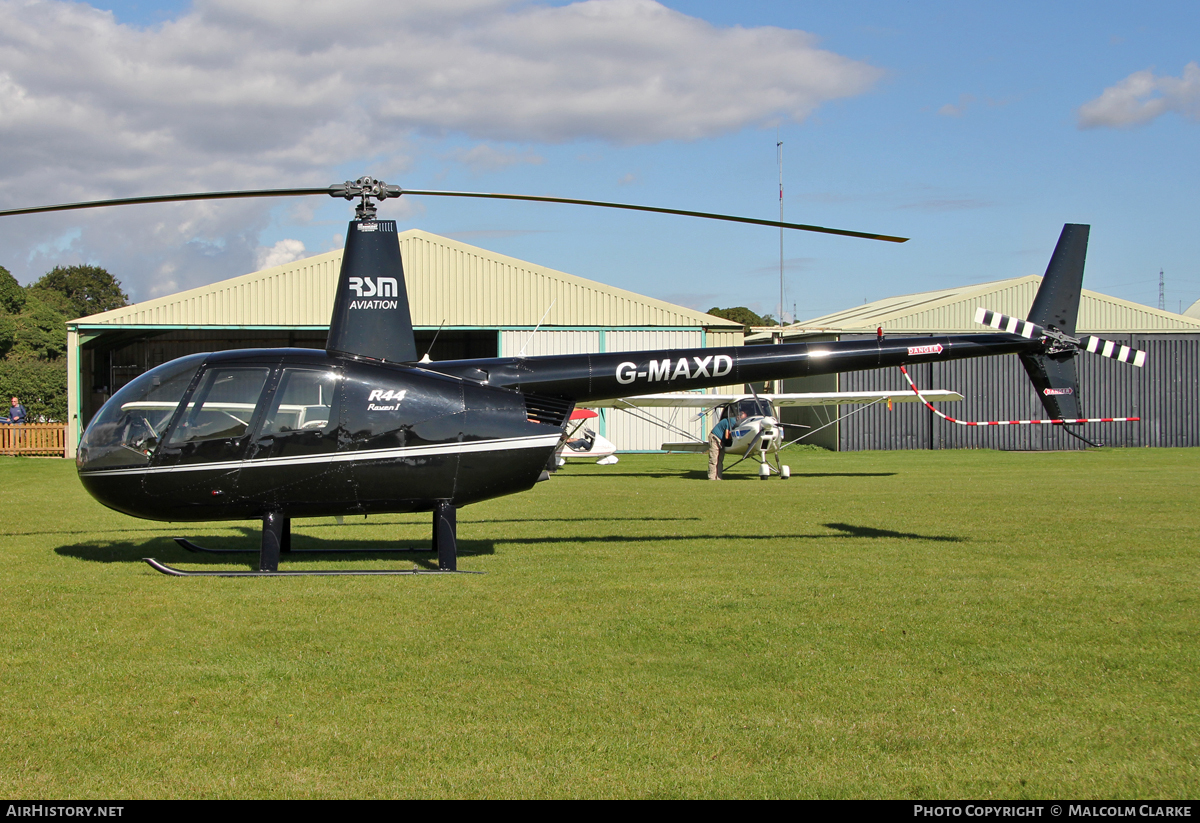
(1095, 345)
(1012, 325)
(1114, 350)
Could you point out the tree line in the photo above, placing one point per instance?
(743, 315)
(33, 332)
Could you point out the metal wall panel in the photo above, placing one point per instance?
(630, 430)
(1165, 394)
(548, 341)
(1171, 397)
(647, 339)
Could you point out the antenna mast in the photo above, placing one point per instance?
(779, 154)
(1162, 298)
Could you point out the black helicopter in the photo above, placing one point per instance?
(367, 427)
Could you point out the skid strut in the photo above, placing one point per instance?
(277, 540)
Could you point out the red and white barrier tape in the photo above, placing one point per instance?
(929, 406)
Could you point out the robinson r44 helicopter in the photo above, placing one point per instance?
(365, 427)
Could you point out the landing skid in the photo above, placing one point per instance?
(194, 547)
(174, 572)
(277, 538)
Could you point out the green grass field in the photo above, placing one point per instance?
(903, 624)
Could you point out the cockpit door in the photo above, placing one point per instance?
(209, 436)
(290, 461)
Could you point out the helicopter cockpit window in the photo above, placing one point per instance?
(131, 424)
(221, 407)
(303, 402)
(302, 417)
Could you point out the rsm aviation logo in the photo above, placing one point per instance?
(374, 287)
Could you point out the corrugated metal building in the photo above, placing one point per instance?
(486, 305)
(1165, 394)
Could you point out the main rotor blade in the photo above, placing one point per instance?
(167, 198)
(340, 190)
(684, 212)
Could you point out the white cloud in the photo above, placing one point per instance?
(956, 110)
(484, 157)
(246, 90)
(1143, 96)
(267, 93)
(284, 251)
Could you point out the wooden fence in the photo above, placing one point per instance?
(33, 438)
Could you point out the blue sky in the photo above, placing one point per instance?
(977, 130)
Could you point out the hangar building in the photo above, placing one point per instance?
(1165, 393)
(485, 304)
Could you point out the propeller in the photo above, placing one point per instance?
(369, 189)
(1095, 345)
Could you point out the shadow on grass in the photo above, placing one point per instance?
(848, 533)
(867, 531)
(703, 475)
(311, 549)
(158, 530)
(306, 549)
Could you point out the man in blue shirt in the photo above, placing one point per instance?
(720, 437)
(16, 413)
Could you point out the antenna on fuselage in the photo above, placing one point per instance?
(521, 353)
(425, 357)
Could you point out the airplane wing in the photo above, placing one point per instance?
(697, 400)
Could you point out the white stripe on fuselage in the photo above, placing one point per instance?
(506, 444)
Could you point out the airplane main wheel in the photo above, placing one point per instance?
(785, 472)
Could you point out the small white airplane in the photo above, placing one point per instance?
(585, 446)
(758, 433)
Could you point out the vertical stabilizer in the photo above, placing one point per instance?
(1056, 382)
(1056, 305)
(370, 312)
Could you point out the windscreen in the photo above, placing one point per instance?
(755, 407)
(130, 425)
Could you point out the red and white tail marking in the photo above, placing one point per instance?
(1064, 421)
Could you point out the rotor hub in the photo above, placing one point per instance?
(368, 189)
